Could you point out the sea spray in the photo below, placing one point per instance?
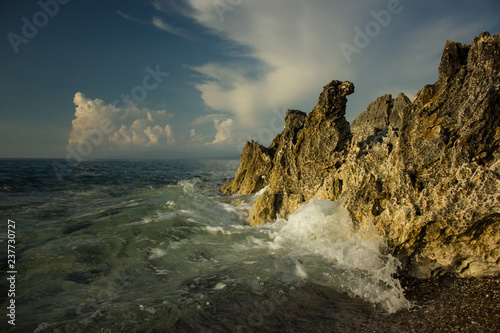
(353, 260)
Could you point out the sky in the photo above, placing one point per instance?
(199, 78)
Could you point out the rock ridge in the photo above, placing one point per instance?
(426, 173)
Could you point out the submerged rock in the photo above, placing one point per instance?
(426, 174)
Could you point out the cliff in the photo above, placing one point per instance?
(426, 174)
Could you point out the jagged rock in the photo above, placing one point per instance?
(251, 175)
(426, 174)
(380, 113)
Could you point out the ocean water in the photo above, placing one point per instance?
(151, 246)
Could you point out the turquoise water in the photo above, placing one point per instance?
(124, 246)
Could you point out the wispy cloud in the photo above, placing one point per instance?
(161, 24)
(294, 46)
(208, 118)
(299, 41)
(131, 18)
(172, 7)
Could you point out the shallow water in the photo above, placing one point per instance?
(145, 245)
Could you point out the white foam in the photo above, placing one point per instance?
(189, 184)
(171, 204)
(178, 244)
(300, 270)
(356, 257)
(157, 253)
(245, 204)
(162, 216)
(220, 286)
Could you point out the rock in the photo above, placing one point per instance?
(380, 113)
(251, 175)
(426, 173)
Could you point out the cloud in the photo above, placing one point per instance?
(224, 131)
(224, 128)
(282, 56)
(161, 24)
(141, 135)
(294, 47)
(130, 18)
(298, 44)
(171, 7)
(103, 127)
(208, 118)
(197, 139)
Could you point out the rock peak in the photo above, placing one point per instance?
(332, 101)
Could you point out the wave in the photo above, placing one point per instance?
(328, 249)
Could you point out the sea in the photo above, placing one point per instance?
(153, 246)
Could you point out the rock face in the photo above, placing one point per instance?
(426, 174)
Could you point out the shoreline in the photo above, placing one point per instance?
(445, 303)
(450, 304)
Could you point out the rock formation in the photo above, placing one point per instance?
(426, 174)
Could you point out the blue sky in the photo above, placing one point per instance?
(166, 79)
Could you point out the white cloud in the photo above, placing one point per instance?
(208, 118)
(287, 37)
(284, 51)
(160, 24)
(224, 128)
(300, 42)
(104, 127)
(224, 131)
(150, 117)
(170, 6)
(196, 139)
(141, 135)
(88, 116)
(130, 18)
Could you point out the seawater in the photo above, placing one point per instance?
(124, 246)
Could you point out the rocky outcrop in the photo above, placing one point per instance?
(381, 113)
(301, 157)
(426, 174)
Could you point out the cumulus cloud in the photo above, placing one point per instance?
(89, 115)
(224, 131)
(102, 127)
(142, 135)
(197, 139)
(224, 128)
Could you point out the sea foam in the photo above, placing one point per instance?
(355, 256)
